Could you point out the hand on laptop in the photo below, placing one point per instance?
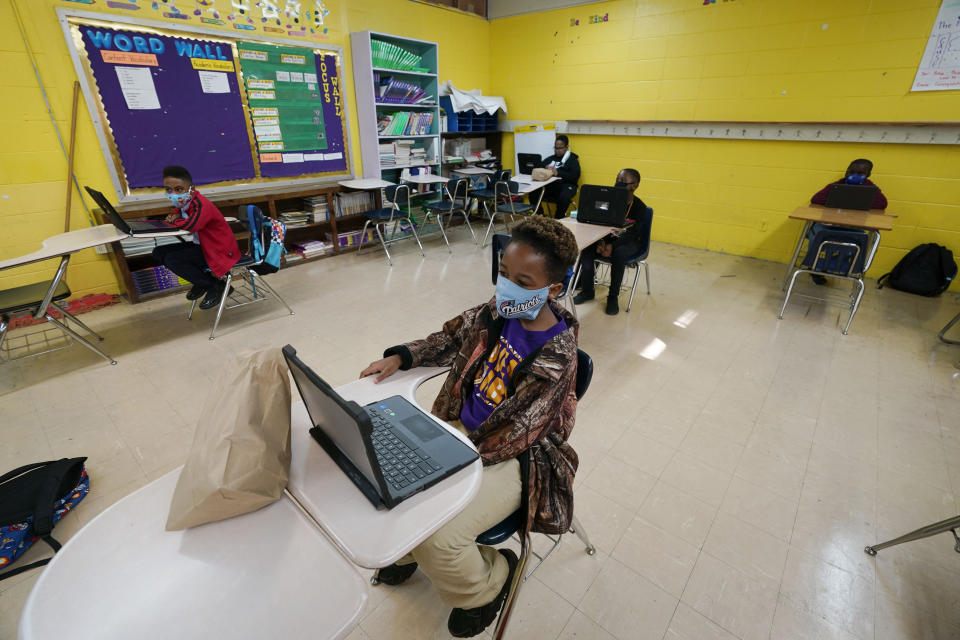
(171, 218)
(386, 367)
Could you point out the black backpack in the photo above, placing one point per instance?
(32, 499)
(927, 271)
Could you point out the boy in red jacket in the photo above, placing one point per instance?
(214, 249)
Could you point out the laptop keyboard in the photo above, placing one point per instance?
(401, 462)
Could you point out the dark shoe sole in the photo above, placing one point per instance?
(196, 294)
(580, 298)
(210, 303)
(471, 622)
(396, 573)
(612, 309)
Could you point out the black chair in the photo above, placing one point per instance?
(505, 198)
(394, 214)
(455, 202)
(514, 523)
(246, 274)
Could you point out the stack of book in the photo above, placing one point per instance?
(155, 279)
(318, 208)
(387, 55)
(354, 203)
(405, 123)
(389, 89)
(143, 246)
(294, 219)
(388, 158)
(309, 249)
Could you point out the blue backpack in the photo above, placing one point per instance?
(33, 498)
(271, 254)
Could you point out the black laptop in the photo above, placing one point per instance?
(603, 205)
(851, 196)
(528, 162)
(130, 227)
(390, 449)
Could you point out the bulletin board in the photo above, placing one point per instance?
(533, 138)
(239, 113)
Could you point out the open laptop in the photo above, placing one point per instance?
(390, 449)
(851, 196)
(603, 205)
(130, 227)
(528, 162)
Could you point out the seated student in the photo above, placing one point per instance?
(511, 390)
(618, 249)
(857, 173)
(565, 164)
(214, 249)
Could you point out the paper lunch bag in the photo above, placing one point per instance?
(240, 457)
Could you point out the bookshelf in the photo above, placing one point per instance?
(301, 209)
(396, 85)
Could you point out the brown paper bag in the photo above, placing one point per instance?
(240, 458)
(539, 175)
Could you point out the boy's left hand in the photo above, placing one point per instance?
(171, 218)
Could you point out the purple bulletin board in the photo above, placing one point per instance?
(195, 116)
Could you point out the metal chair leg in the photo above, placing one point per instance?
(193, 305)
(443, 232)
(950, 524)
(854, 306)
(223, 303)
(578, 529)
(786, 297)
(943, 331)
(646, 272)
(76, 336)
(363, 234)
(518, 575)
(466, 219)
(273, 292)
(383, 242)
(416, 236)
(67, 314)
(633, 289)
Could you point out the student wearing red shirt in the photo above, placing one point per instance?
(214, 249)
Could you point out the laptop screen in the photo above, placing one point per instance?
(327, 413)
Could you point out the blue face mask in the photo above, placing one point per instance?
(855, 178)
(180, 200)
(513, 301)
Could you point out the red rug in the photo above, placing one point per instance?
(87, 303)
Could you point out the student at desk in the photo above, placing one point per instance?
(566, 165)
(617, 249)
(511, 388)
(857, 173)
(214, 249)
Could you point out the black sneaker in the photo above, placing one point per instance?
(396, 573)
(213, 297)
(466, 623)
(196, 292)
(583, 296)
(613, 306)
(818, 279)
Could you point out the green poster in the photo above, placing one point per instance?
(286, 103)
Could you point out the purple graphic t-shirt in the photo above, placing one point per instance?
(493, 378)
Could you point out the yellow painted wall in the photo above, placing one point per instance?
(33, 168)
(775, 60)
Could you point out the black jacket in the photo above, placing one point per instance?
(569, 172)
(637, 213)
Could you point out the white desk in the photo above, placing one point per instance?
(365, 184)
(266, 574)
(473, 171)
(428, 178)
(369, 537)
(62, 246)
(586, 234)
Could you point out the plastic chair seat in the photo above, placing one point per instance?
(245, 261)
(501, 531)
(382, 214)
(518, 207)
(30, 295)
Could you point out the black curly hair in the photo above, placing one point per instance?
(550, 239)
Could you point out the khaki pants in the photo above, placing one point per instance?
(465, 574)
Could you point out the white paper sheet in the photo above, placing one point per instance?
(292, 157)
(939, 69)
(137, 86)
(310, 77)
(312, 157)
(283, 76)
(296, 76)
(214, 82)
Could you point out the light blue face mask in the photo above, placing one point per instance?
(180, 200)
(513, 301)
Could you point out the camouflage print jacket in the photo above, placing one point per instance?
(534, 419)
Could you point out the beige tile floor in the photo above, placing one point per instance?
(733, 466)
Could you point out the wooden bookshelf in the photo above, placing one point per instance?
(272, 204)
